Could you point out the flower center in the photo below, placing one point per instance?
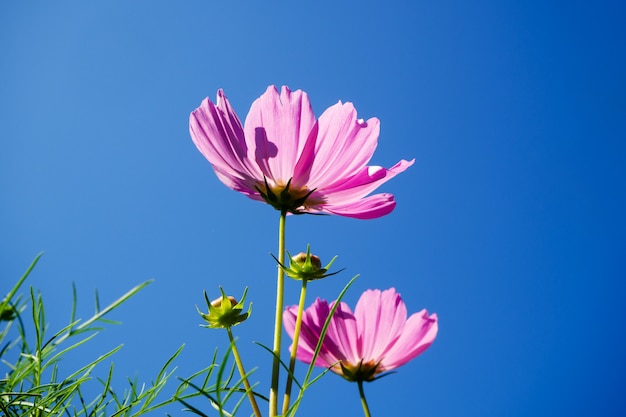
(362, 371)
(286, 198)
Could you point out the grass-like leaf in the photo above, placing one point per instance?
(32, 384)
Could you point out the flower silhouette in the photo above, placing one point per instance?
(374, 339)
(284, 156)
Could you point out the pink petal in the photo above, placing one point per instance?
(367, 208)
(381, 317)
(342, 338)
(363, 183)
(302, 170)
(305, 350)
(218, 135)
(344, 145)
(289, 319)
(277, 128)
(419, 333)
(312, 324)
(242, 185)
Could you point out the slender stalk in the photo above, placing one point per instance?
(294, 348)
(307, 379)
(40, 323)
(366, 409)
(242, 372)
(278, 322)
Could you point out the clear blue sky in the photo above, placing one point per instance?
(510, 225)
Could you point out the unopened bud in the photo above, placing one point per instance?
(225, 311)
(7, 313)
(218, 301)
(305, 266)
(301, 259)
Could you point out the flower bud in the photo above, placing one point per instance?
(305, 266)
(302, 258)
(217, 303)
(225, 311)
(7, 312)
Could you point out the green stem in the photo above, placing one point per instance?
(278, 322)
(242, 372)
(294, 348)
(366, 409)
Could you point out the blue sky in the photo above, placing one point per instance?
(510, 225)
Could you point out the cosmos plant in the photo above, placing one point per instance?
(298, 164)
(283, 156)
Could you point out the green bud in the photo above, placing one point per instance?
(307, 262)
(225, 311)
(7, 313)
(305, 266)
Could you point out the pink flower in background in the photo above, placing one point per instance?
(376, 338)
(287, 158)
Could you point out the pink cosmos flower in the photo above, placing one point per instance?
(284, 156)
(376, 338)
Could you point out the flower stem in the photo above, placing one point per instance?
(278, 322)
(366, 409)
(294, 348)
(242, 372)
